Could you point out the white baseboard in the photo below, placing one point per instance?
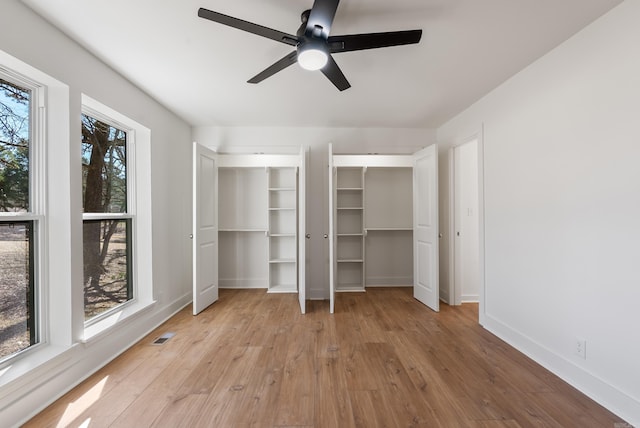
(389, 281)
(243, 283)
(470, 298)
(608, 396)
(317, 294)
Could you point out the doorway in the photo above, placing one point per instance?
(465, 284)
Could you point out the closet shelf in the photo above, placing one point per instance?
(350, 288)
(282, 189)
(350, 261)
(350, 208)
(282, 209)
(349, 188)
(282, 261)
(391, 229)
(241, 230)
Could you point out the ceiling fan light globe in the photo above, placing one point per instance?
(312, 59)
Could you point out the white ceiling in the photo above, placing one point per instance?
(199, 68)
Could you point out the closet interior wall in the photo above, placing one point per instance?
(258, 230)
(373, 222)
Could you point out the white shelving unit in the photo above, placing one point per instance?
(283, 228)
(350, 255)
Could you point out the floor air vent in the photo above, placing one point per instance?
(163, 339)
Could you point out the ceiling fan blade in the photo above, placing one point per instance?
(249, 27)
(358, 42)
(322, 14)
(333, 73)
(285, 62)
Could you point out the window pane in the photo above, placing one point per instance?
(14, 147)
(17, 323)
(104, 175)
(107, 257)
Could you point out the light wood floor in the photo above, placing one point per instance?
(383, 360)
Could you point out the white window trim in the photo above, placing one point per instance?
(138, 209)
(49, 146)
(37, 201)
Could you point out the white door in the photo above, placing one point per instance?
(302, 230)
(205, 227)
(466, 236)
(332, 232)
(425, 227)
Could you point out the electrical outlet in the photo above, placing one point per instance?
(581, 348)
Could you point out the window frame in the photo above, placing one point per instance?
(138, 166)
(36, 211)
(129, 215)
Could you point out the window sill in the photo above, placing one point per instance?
(120, 317)
(38, 363)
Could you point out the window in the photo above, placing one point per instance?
(116, 200)
(18, 219)
(107, 224)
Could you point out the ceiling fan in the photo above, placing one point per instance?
(313, 43)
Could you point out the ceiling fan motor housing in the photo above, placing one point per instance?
(313, 53)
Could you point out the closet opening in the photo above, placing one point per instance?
(383, 223)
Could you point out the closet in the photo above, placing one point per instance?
(249, 223)
(383, 223)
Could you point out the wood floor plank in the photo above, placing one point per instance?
(333, 400)
(226, 398)
(406, 402)
(382, 360)
(184, 412)
(371, 410)
(295, 404)
(161, 392)
(259, 406)
(360, 376)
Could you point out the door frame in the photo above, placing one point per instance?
(299, 161)
(479, 137)
(364, 161)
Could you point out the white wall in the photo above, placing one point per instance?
(28, 38)
(288, 140)
(561, 192)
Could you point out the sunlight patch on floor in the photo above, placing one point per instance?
(82, 404)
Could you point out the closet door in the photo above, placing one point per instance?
(205, 227)
(425, 227)
(332, 232)
(302, 231)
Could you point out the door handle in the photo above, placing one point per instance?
(326, 236)
(308, 236)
